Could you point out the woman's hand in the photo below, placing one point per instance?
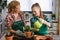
(44, 22)
(20, 33)
(12, 31)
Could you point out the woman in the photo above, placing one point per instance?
(38, 16)
(15, 20)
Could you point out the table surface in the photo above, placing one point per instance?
(55, 37)
(3, 38)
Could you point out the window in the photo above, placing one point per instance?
(46, 5)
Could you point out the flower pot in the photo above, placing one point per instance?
(27, 17)
(10, 37)
(53, 18)
(28, 34)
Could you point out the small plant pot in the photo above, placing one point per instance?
(10, 37)
(28, 34)
(27, 17)
(53, 18)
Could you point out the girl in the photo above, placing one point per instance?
(38, 17)
(15, 20)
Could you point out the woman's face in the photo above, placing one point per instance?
(17, 9)
(36, 11)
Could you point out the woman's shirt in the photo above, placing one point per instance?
(10, 18)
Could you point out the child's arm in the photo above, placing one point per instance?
(45, 22)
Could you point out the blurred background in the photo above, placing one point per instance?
(50, 8)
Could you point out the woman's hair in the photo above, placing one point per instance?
(37, 5)
(12, 5)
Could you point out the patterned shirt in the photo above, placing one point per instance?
(10, 19)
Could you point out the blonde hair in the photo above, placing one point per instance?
(37, 5)
(12, 5)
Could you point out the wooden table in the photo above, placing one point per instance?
(33, 38)
(23, 38)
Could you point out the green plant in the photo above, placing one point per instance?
(0, 1)
(8, 32)
(5, 3)
(27, 28)
(0, 10)
(53, 15)
(26, 14)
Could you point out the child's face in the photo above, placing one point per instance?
(36, 11)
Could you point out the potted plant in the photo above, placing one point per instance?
(27, 15)
(8, 35)
(53, 16)
(0, 10)
(0, 2)
(27, 31)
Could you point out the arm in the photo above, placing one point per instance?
(45, 22)
(9, 23)
(48, 24)
(23, 18)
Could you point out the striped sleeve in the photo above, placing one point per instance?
(23, 18)
(9, 21)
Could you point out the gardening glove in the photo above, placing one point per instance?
(20, 33)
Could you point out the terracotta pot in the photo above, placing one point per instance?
(49, 38)
(9, 37)
(28, 34)
(38, 37)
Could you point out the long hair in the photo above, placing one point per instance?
(37, 5)
(12, 5)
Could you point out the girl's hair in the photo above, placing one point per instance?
(12, 5)
(37, 5)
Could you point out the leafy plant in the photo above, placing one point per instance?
(53, 15)
(8, 32)
(26, 14)
(0, 10)
(27, 28)
(0, 1)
